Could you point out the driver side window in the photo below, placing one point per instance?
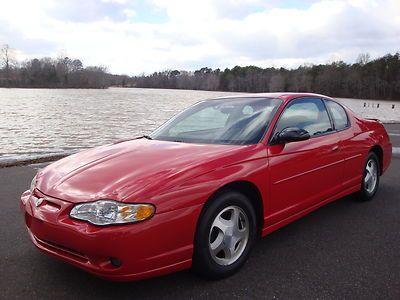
(306, 113)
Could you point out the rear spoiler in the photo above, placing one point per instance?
(373, 119)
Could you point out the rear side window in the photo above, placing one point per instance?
(339, 115)
(306, 113)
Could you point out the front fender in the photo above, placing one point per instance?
(198, 190)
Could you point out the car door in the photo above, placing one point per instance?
(350, 145)
(306, 172)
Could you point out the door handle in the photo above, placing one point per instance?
(335, 148)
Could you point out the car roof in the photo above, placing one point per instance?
(285, 96)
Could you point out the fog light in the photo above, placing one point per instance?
(115, 262)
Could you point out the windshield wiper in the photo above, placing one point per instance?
(146, 137)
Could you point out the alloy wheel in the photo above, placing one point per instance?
(371, 176)
(228, 235)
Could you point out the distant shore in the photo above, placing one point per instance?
(362, 79)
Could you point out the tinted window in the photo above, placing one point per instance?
(237, 121)
(339, 115)
(306, 113)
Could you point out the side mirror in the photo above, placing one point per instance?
(291, 134)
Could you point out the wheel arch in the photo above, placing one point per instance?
(251, 191)
(377, 149)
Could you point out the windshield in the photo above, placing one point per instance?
(237, 121)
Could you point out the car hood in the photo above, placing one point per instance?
(138, 167)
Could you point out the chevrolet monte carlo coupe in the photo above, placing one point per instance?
(201, 188)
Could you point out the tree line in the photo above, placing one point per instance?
(369, 79)
(366, 78)
(61, 72)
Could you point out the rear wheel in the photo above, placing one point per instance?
(370, 179)
(225, 236)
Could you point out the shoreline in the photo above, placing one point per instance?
(30, 161)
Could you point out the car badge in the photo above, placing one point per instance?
(38, 201)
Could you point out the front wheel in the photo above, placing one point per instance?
(370, 179)
(225, 235)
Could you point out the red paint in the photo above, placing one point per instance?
(178, 178)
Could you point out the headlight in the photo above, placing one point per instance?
(108, 212)
(33, 184)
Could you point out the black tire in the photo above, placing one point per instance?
(203, 262)
(365, 194)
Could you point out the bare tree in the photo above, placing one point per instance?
(363, 58)
(7, 61)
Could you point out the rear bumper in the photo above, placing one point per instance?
(155, 247)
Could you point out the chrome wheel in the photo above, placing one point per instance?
(228, 235)
(371, 176)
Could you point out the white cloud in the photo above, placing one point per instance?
(130, 13)
(115, 1)
(205, 33)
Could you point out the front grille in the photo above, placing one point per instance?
(64, 250)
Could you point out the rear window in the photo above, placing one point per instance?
(339, 115)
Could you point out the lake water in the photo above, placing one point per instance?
(37, 123)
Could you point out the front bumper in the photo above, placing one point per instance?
(154, 247)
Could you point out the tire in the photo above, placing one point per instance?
(225, 235)
(370, 178)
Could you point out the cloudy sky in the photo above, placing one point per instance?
(142, 36)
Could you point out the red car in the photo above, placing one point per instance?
(200, 189)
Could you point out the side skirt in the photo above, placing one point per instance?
(277, 225)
